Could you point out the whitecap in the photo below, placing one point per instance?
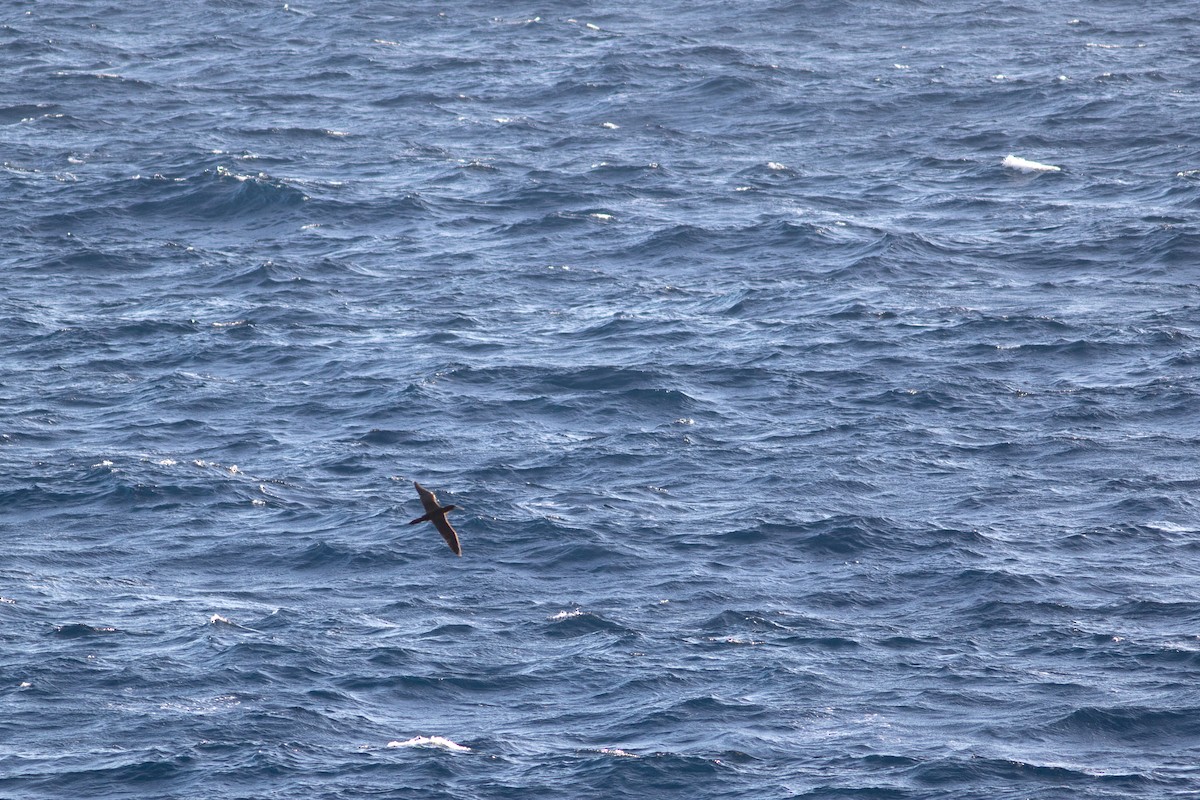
(1025, 165)
(616, 751)
(610, 125)
(226, 172)
(432, 741)
(1164, 527)
(733, 640)
(221, 621)
(568, 614)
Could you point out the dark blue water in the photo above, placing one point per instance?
(804, 446)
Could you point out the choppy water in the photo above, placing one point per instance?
(804, 449)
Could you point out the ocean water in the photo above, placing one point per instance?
(806, 445)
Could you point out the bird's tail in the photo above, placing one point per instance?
(420, 519)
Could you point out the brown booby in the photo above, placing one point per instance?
(436, 514)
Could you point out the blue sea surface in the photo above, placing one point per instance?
(805, 444)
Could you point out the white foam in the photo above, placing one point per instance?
(225, 172)
(218, 620)
(1025, 165)
(432, 741)
(1164, 526)
(618, 752)
(568, 614)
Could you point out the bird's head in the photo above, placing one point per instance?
(449, 508)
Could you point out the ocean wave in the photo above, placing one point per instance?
(431, 742)
(215, 194)
(570, 624)
(1127, 724)
(78, 630)
(1004, 772)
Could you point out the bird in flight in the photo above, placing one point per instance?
(436, 514)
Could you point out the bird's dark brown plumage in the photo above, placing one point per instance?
(436, 513)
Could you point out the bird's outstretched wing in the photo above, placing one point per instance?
(428, 499)
(448, 533)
